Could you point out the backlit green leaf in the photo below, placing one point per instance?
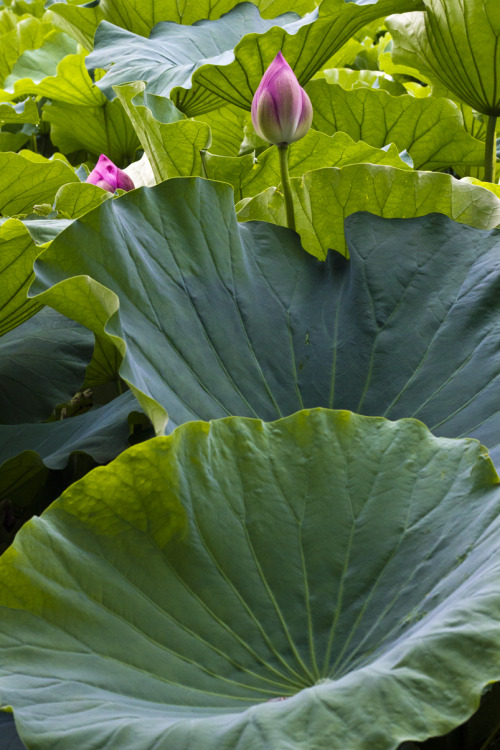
(430, 129)
(456, 43)
(325, 197)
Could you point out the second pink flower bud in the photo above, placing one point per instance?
(107, 176)
(281, 110)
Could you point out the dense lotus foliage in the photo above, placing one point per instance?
(249, 375)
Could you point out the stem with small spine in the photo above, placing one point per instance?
(285, 183)
(490, 151)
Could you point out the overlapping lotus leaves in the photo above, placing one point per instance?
(17, 254)
(29, 33)
(203, 66)
(227, 127)
(171, 143)
(430, 129)
(323, 198)
(105, 129)
(69, 82)
(187, 295)
(49, 350)
(168, 59)
(352, 79)
(25, 111)
(35, 65)
(456, 43)
(77, 21)
(77, 198)
(140, 16)
(80, 116)
(68, 448)
(250, 176)
(29, 179)
(40, 228)
(252, 637)
(102, 433)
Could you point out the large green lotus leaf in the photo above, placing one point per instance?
(430, 129)
(42, 364)
(456, 43)
(279, 632)
(25, 111)
(250, 176)
(211, 63)
(140, 16)
(216, 318)
(25, 182)
(172, 143)
(35, 65)
(17, 255)
(325, 197)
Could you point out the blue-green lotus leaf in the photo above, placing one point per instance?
(217, 318)
(316, 582)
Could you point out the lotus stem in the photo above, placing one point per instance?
(486, 744)
(287, 188)
(490, 152)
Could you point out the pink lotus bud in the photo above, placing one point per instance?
(107, 176)
(281, 110)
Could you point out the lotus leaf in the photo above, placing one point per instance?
(211, 63)
(215, 318)
(456, 43)
(430, 129)
(323, 198)
(252, 615)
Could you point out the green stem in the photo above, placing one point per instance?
(203, 163)
(33, 144)
(287, 188)
(490, 151)
(490, 737)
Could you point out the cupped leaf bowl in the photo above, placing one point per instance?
(322, 582)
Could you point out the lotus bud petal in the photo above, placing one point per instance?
(281, 110)
(107, 176)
